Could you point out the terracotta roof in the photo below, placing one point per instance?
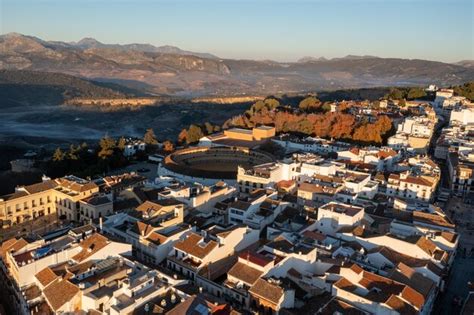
(285, 183)
(157, 238)
(400, 306)
(12, 245)
(255, 258)
(142, 228)
(149, 206)
(266, 290)
(46, 276)
(39, 187)
(200, 305)
(426, 245)
(16, 194)
(386, 153)
(59, 293)
(385, 286)
(239, 204)
(314, 236)
(334, 269)
(245, 273)
(434, 219)
(356, 268)
(342, 208)
(410, 277)
(345, 284)
(449, 236)
(75, 186)
(317, 188)
(412, 180)
(414, 297)
(193, 246)
(90, 246)
(396, 258)
(337, 306)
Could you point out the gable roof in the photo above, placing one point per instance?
(400, 306)
(12, 245)
(46, 276)
(193, 245)
(59, 293)
(90, 246)
(412, 278)
(39, 187)
(245, 273)
(266, 290)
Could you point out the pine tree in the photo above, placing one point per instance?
(58, 155)
(121, 144)
(107, 146)
(149, 137)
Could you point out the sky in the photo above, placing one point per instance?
(282, 30)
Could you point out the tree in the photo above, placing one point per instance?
(209, 128)
(402, 103)
(183, 136)
(168, 146)
(73, 153)
(415, 93)
(194, 134)
(106, 147)
(395, 94)
(121, 143)
(383, 124)
(326, 107)
(149, 138)
(271, 103)
(466, 90)
(304, 126)
(309, 103)
(58, 155)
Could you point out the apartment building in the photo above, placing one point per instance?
(406, 185)
(195, 251)
(61, 196)
(197, 196)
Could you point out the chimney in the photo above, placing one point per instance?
(100, 223)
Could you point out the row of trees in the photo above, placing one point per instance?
(108, 154)
(406, 93)
(325, 124)
(466, 90)
(196, 132)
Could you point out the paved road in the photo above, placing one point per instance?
(461, 273)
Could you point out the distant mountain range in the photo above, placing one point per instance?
(170, 70)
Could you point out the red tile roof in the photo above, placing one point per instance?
(194, 246)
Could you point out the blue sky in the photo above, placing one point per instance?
(260, 29)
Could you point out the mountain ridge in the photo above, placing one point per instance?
(171, 71)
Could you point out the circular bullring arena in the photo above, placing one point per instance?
(212, 162)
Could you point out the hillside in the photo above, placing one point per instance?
(19, 87)
(172, 71)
